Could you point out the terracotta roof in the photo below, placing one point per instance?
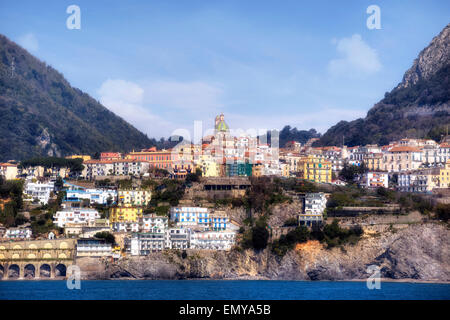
(405, 149)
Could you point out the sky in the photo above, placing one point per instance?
(161, 65)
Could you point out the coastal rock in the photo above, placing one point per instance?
(416, 252)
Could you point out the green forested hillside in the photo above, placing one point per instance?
(41, 114)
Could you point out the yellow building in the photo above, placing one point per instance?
(79, 156)
(125, 214)
(444, 176)
(138, 197)
(285, 169)
(315, 168)
(374, 161)
(258, 170)
(209, 167)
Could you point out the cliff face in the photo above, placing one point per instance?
(418, 107)
(430, 60)
(415, 252)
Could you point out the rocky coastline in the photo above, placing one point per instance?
(417, 252)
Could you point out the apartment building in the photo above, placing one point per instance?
(125, 214)
(100, 196)
(212, 240)
(314, 205)
(8, 171)
(153, 223)
(402, 158)
(422, 181)
(315, 168)
(190, 216)
(138, 197)
(375, 179)
(39, 191)
(75, 216)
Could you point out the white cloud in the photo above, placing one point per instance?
(125, 99)
(357, 58)
(190, 96)
(29, 42)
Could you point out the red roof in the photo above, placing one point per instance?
(405, 149)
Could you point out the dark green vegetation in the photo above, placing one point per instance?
(108, 237)
(331, 234)
(169, 191)
(53, 163)
(11, 200)
(292, 134)
(350, 172)
(42, 114)
(415, 111)
(264, 192)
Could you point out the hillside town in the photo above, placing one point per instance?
(113, 206)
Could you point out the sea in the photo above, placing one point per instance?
(219, 290)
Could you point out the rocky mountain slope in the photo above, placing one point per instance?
(418, 107)
(416, 252)
(43, 115)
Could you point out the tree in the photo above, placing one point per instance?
(260, 236)
(109, 238)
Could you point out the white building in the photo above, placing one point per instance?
(75, 215)
(190, 216)
(18, 233)
(422, 181)
(375, 180)
(99, 196)
(125, 226)
(178, 238)
(313, 209)
(93, 248)
(153, 223)
(39, 191)
(212, 240)
(142, 244)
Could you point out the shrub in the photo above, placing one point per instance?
(260, 236)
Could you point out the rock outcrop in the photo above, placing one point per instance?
(416, 252)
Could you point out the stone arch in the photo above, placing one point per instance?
(60, 270)
(2, 248)
(47, 256)
(45, 271)
(31, 256)
(13, 271)
(32, 246)
(15, 256)
(17, 247)
(29, 271)
(2, 256)
(2, 271)
(62, 256)
(63, 245)
(48, 245)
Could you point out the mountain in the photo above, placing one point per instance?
(418, 107)
(291, 134)
(43, 115)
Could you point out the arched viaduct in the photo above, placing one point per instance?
(36, 259)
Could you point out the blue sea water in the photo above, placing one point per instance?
(220, 290)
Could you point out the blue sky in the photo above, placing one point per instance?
(265, 64)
